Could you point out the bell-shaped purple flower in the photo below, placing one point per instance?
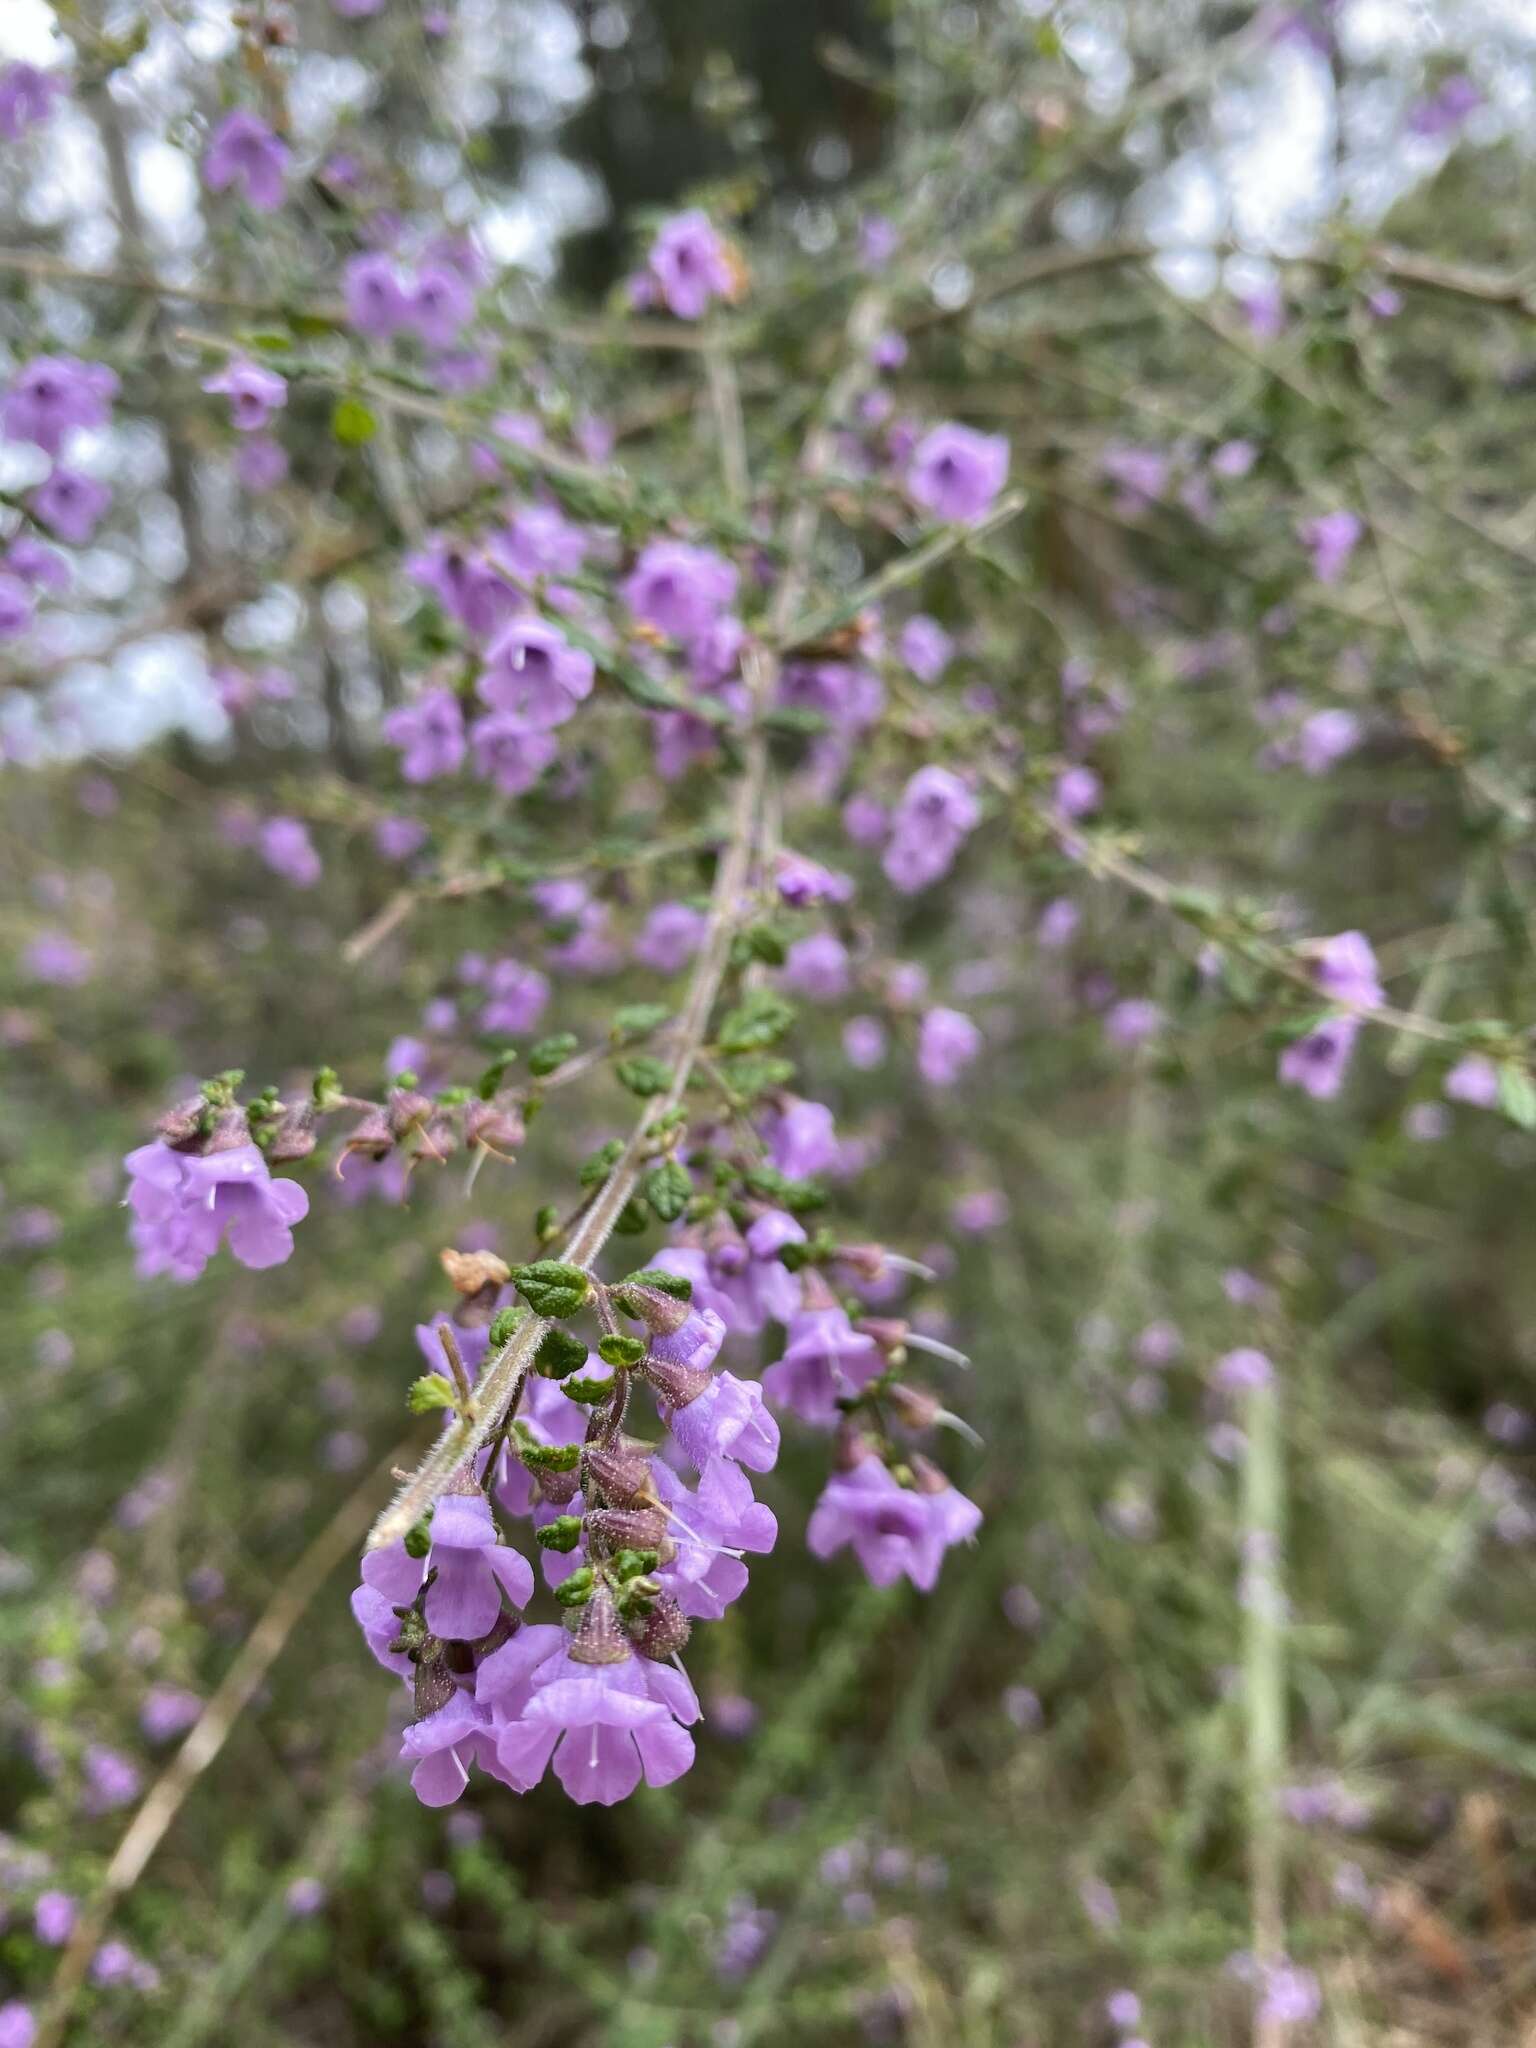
(670, 937)
(50, 395)
(473, 1570)
(690, 266)
(183, 1205)
(678, 588)
(1318, 1062)
(956, 473)
(507, 755)
(429, 734)
(801, 1139)
(254, 392)
(440, 305)
(443, 1745)
(604, 1725)
(892, 1529)
(710, 1528)
(244, 151)
(726, 1420)
(535, 674)
(27, 95)
(70, 504)
(947, 1042)
(825, 1358)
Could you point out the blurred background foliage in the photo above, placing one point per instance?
(968, 1819)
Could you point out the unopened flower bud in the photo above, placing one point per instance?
(666, 1630)
(659, 1311)
(434, 1683)
(676, 1384)
(629, 1528)
(621, 1472)
(294, 1136)
(851, 1447)
(372, 1137)
(889, 1332)
(600, 1637)
(558, 1488)
(915, 1406)
(926, 1476)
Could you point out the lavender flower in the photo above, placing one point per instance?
(254, 393)
(288, 851)
(535, 674)
(679, 589)
(818, 967)
(604, 1725)
(824, 1359)
(243, 151)
(1473, 1080)
(710, 1528)
(926, 648)
(1331, 538)
(947, 1043)
(956, 473)
(1318, 1061)
(429, 734)
(690, 266)
(893, 1530)
(670, 936)
(50, 396)
(726, 1420)
(27, 97)
(184, 1206)
(70, 504)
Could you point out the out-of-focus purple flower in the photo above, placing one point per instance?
(1078, 791)
(167, 1711)
(1289, 1995)
(1318, 1061)
(50, 395)
(1331, 538)
(377, 302)
(879, 239)
(244, 151)
(1234, 459)
(925, 648)
(1140, 474)
(1446, 109)
(429, 734)
(1326, 737)
(1473, 1080)
(439, 305)
(690, 266)
(53, 1917)
(1242, 1371)
(1263, 307)
(70, 504)
(540, 541)
(1133, 1021)
(18, 2028)
(507, 755)
(1384, 303)
(670, 936)
(678, 588)
(1344, 967)
(892, 1529)
(55, 957)
(111, 1779)
(979, 1211)
(304, 1897)
(254, 392)
(288, 851)
(801, 1139)
(535, 673)
(956, 473)
(1123, 2010)
(27, 97)
(865, 1043)
(803, 884)
(947, 1043)
(1058, 923)
(936, 813)
(818, 967)
(516, 996)
(398, 838)
(184, 1205)
(261, 463)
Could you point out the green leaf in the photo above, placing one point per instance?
(658, 1278)
(492, 1078)
(575, 1591)
(550, 1457)
(597, 1165)
(558, 1353)
(1517, 1096)
(563, 1533)
(551, 1052)
(631, 1220)
(644, 1075)
(623, 1351)
(668, 1189)
(431, 1391)
(753, 1074)
(352, 423)
(504, 1326)
(766, 944)
(552, 1288)
(591, 1391)
(758, 1022)
(637, 1020)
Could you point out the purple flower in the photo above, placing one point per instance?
(1326, 737)
(244, 151)
(892, 1529)
(254, 393)
(1344, 967)
(1234, 458)
(727, 1420)
(956, 473)
(440, 305)
(26, 98)
(1078, 792)
(879, 239)
(535, 674)
(926, 648)
(801, 1139)
(604, 1725)
(980, 1211)
(54, 957)
(111, 1780)
(1242, 1372)
(818, 967)
(1446, 109)
(679, 589)
(260, 463)
(184, 1205)
(1140, 473)
(947, 1043)
(516, 997)
(865, 1042)
(53, 1918)
(935, 814)
(1473, 1080)
(540, 541)
(1331, 538)
(670, 937)
(443, 1744)
(52, 394)
(507, 754)
(1058, 923)
(36, 564)
(377, 303)
(824, 1359)
(16, 607)
(1132, 1021)
(167, 1710)
(804, 884)
(304, 1897)
(429, 734)
(1263, 307)
(398, 838)
(710, 1529)
(17, 2026)
(288, 851)
(690, 266)
(1318, 1061)
(70, 504)
(473, 1570)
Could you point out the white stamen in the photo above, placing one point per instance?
(914, 1342)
